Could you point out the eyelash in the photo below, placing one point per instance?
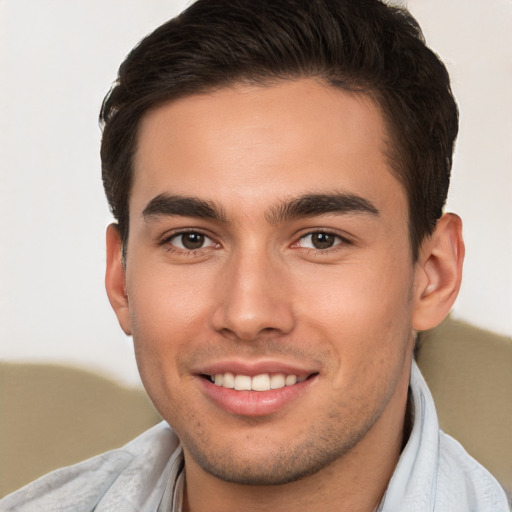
(341, 241)
(167, 241)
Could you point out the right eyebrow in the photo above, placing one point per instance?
(165, 205)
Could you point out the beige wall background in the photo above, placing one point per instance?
(57, 60)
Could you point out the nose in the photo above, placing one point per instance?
(252, 298)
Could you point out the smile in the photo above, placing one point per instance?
(255, 392)
(262, 382)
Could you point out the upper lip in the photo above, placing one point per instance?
(252, 368)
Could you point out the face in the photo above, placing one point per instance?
(269, 277)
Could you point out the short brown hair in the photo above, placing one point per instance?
(357, 45)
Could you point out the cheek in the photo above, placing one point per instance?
(166, 304)
(167, 314)
(160, 334)
(363, 310)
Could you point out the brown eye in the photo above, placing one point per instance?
(320, 240)
(191, 241)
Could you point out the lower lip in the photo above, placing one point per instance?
(253, 403)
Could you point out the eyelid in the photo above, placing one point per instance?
(168, 237)
(344, 240)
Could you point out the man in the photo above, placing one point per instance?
(278, 171)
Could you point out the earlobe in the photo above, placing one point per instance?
(115, 279)
(438, 273)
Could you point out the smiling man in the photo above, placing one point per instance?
(278, 171)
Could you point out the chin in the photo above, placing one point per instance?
(267, 466)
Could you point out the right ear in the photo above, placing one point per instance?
(115, 279)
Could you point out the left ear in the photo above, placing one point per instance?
(438, 273)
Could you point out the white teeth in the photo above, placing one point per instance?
(228, 381)
(262, 382)
(277, 381)
(291, 380)
(243, 383)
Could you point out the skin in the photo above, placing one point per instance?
(258, 291)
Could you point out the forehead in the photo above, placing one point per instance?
(250, 144)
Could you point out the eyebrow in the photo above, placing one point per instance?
(309, 205)
(165, 205)
(312, 205)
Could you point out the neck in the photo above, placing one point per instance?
(355, 482)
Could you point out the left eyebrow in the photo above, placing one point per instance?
(312, 205)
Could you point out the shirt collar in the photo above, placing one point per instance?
(414, 479)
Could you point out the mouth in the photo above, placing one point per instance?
(262, 382)
(257, 388)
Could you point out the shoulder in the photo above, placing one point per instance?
(463, 483)
(79, 488)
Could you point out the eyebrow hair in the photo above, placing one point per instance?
(311, 205)
(183, 206)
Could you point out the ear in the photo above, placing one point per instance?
(115, 279)
(438, 273)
